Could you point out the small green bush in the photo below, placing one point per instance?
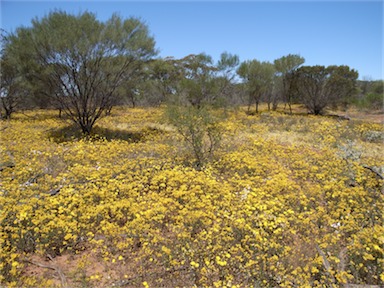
(371, 101)
(199, 130)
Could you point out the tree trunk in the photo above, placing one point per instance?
(249, 104)
(275, 104)
(86, 128)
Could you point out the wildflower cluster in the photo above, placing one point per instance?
(282, 203)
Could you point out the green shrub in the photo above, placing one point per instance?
(371, 101)
(199, 130)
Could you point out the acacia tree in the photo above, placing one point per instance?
(258, 77)
(83, 60)
(320, 87)
(285, 68)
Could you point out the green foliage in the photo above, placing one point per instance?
(82, 60)
(199, 129)
(370, 101)
(225, 77)
(320, 87)
(378, 87)
(258, 77)
(289, 201)
(13, 86)
(227, 63)
(285, 68)
(198, 83)
(371, 95)
(165, 75)
(288, 64)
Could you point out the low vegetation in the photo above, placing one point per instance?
(198, 189)
(282, 201)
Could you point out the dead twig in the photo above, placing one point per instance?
(326, 265)
(55, 191)
(62, 277)
(374, 171)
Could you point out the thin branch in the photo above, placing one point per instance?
(55, 268)
(374, 171)
(326, 264)
(55, 191)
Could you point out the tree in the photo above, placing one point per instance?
(19, 68)
(258, 77)
(198, 79)
(83, 60)
(13, 86)
(165, 75)
(370, 94)
(378, 86)
(343, 83)
(226, 74)
(193, 119)
(320, 87)
(274, 96)
(11, 89)
(285, 68)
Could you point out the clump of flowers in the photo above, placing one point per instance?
(299, 210)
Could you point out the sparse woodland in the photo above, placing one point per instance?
(122, 169)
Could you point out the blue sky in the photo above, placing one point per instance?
(324, 33)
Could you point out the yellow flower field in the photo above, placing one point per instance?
(287, 201)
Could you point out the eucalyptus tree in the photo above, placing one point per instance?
(320, 87)
(84, 61)
(198, 79)
(258, 78)
(273, 94)
(285, 68)
(226, 75)
(164, 75)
